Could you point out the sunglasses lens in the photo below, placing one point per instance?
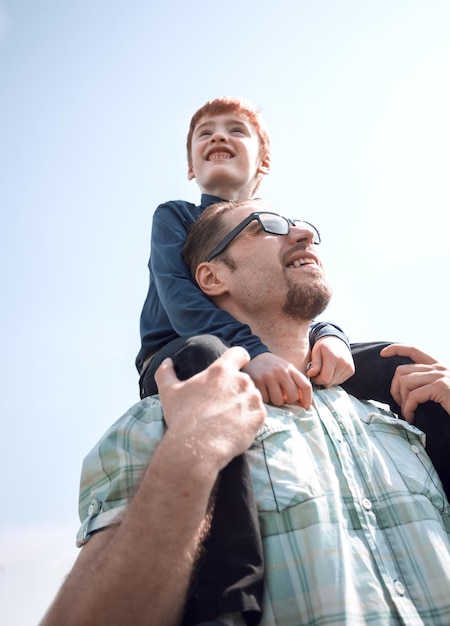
(274, 224)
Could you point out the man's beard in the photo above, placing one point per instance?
(304, 302)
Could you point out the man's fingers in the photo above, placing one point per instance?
(165, 374)
(416, 355)
(236, 357)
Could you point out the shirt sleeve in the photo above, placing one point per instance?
(317, 330)
(113, 469)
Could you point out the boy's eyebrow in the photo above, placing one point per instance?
(242, 122)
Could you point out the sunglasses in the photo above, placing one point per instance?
(270, 223)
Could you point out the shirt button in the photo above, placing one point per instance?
(367, 504)
(94, 507)
(415, 449)
(399, 588)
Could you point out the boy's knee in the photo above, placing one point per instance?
(197, 354)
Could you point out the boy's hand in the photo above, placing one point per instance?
(279, 381)
(331, 362)
(214, 414)
(423, 380)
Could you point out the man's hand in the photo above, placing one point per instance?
(331, 362)
(425, 379)
(217, 412)
(279, 381)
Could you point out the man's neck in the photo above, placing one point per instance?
(292, 346)
(284, 336)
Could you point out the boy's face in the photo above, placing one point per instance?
(226, 156)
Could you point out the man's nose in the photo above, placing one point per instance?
(301, 232)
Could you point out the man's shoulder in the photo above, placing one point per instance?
(140, 424)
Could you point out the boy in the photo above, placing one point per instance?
(228, 151)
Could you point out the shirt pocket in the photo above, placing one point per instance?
(283, 468)
(404, 445)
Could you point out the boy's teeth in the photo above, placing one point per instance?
(219, 155)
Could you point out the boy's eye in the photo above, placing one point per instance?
(238, 130)
(204, 133)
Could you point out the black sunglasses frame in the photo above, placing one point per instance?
(225, 242)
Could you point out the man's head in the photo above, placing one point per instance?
(228, 148)
(257, 264)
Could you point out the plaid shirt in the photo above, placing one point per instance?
(354, 520)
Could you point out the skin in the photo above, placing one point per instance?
(121, 574)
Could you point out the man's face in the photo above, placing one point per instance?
(225, 153)
(280, 272)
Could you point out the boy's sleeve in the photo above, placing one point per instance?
(317, 330)
(188, 310)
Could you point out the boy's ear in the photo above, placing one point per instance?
(191, 174)
(210, 280)
(264, 168)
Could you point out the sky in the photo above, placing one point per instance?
(95, 103)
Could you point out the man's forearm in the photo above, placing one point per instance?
(139, 571)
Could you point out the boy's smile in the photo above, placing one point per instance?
(226, 156)
(219, 153)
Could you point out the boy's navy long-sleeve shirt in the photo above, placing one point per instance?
(175, 306)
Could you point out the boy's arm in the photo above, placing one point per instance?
(138, 572)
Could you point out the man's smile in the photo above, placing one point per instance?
(301, 258)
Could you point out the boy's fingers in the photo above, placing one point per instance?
(416, 355)
(314, 366)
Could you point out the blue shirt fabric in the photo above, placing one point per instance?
(354, 521)
(175, 306)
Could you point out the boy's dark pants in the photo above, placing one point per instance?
(230, 573)
(229, 576)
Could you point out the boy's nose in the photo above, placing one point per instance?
(218, 135)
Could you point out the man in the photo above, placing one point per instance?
(354, 520)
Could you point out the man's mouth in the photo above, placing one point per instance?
(302, 261)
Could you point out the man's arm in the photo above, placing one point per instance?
(138, 572)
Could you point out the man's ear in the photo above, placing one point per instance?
(264, 167)
(210, 279)
(191, 174)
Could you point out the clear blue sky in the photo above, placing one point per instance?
(95, 101)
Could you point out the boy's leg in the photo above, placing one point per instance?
(190, 355)
(229, 577)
